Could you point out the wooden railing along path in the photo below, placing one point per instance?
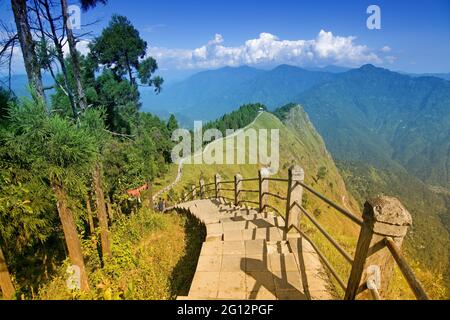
(383, 226)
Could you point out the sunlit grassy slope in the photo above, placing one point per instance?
(301, 144)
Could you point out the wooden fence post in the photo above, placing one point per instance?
(218, 185)
(384, 217)
(263, 189)
(202, 188)
(237, 189)
(295, 194)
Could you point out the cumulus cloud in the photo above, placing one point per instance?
(325, 49)
(386, 49)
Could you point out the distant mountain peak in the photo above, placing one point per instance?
(371, 67)
(283, 67)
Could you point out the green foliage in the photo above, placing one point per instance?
(321, 174)
(121, 49)
(52, 146)
(172, 124)
(236, 119)
(5, 99)
(154, 258)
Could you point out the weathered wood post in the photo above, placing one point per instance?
(218, 184)
(237, 189)
(202, 188)
(383, 217)
(194, 191)
(263, 174)
(294, 194)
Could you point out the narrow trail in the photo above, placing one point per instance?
(179, 176)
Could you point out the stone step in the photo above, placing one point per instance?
(268, 234)
(280, 247)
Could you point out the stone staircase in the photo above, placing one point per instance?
(246, 256)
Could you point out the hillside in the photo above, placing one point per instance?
(428, 242)
(301, 144)
(306, 148)
(385, 118)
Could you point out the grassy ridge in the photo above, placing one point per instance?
(301, 144)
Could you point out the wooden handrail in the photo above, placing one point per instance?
(275, 195)
(274, 209)
(248, 191)
(367, 238)
(326, 234)
(276, 179)
(345, 212)
(248, 201)
(323, 258)
(225, 189)
(406, 270)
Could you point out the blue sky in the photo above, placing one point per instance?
(186, 36)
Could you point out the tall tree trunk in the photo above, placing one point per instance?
(130, 72)
(101, 210)
(89, 212)
(6, 285)
(27, 45)
(81, 97)
(110, 209)
(71, 234)
(60, 57)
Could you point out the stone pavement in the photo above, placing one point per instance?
(245, 257)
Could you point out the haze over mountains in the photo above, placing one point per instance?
(368, 114)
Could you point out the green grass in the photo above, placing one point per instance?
(154, 258)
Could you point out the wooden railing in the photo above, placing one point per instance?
(383, 226)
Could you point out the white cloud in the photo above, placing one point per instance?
(325, 49)
(82, 47)
(386, 49)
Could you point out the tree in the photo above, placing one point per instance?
(74, 54)
(172, 124)
(93, 122)
(61, 153)
(25, 216)
(27, 45)
(121, 49)
(43, 10)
